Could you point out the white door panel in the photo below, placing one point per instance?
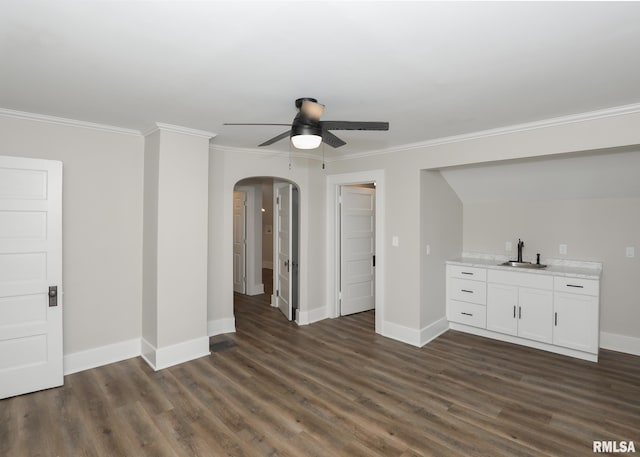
(283, 196)
(357, 249)
(239, 241)
(30, 264)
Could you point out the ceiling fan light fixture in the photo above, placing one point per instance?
(306, 141)
(305, 134)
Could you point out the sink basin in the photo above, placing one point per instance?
(513, 263)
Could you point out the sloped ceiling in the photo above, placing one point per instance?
(598, 174)
(432, 69)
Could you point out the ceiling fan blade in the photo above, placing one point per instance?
(276, 138)
(332, 140)
(354, 125)
(284, 125)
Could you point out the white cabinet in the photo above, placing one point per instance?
(519, 311)
(501, 311)
(466, 295)
(554, 312)
(534, 314)
(576, 314)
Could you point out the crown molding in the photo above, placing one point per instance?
(516, 128)
(264, 152)
(67, 122)
(159, 126)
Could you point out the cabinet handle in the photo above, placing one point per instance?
(467, 291)
(519, 312)
(466, 314)
(466, 273)
(556, 318)
(514, 311)
(574, 285)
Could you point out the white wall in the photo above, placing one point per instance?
(150, 239)
(102, 225)
(182, 237)
(441, 230)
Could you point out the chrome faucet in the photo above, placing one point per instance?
(520, 246)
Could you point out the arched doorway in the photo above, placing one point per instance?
(266, 241)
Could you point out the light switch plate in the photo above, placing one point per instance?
(563, 249)
(508, 246)
(395, 241)
(630, 251)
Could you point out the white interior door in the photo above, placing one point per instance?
(30, 271)
(239, 242)
(282, 195)
(357, 249)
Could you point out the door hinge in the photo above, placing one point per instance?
(340, 199)
(277, 293)
(374, 260)
(278, 200)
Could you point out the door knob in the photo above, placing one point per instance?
(53, 296)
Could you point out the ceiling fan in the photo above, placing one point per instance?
(307, 131)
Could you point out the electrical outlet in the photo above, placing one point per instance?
(508, 246)
(563, 249)
(630, 251)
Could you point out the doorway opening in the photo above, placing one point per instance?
(335, 184)
(357, 252)
(266, 242)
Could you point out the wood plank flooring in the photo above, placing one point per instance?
(333, 388)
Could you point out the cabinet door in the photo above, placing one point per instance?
(535, 314)
(502, 302)
(576, 322)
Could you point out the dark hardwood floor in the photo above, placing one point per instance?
(333, 388)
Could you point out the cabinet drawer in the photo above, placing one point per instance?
(467, 313)
(536, 281)
(459, 271)
(469, 291)
(577, 285)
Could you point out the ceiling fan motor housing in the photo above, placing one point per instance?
(303, 125)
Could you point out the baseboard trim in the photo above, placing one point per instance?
(401, 333)
(620, 343)
(433, 330)
(311, 316)
(175, 354)
(255, 289)
(103, 355)
(220, 326)
(524, 342)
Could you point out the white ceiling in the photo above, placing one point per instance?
(592, 175)
(432, 69)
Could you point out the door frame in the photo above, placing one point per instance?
(334, 182)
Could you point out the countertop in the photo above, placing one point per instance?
(555, 267)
